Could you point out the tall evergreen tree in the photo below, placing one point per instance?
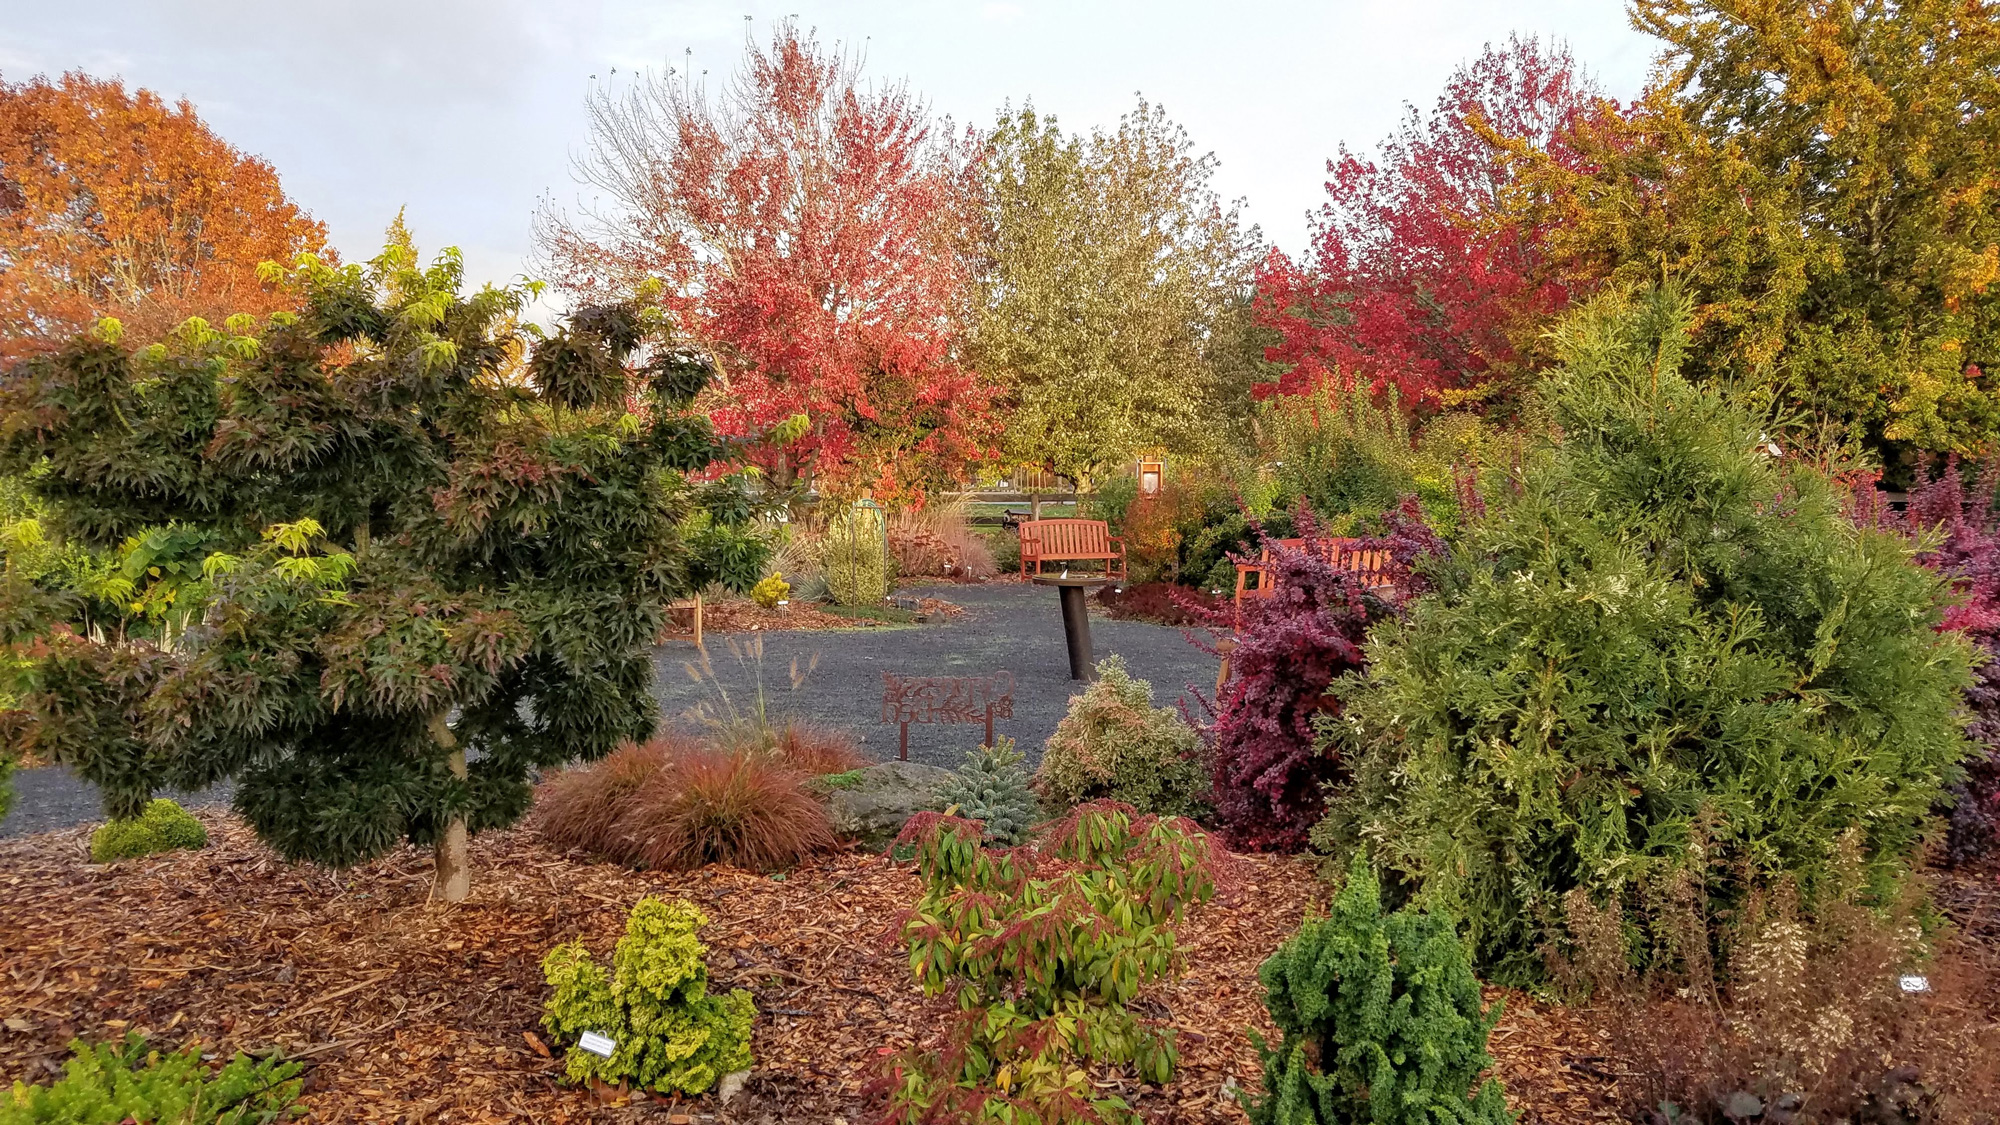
(445, 553)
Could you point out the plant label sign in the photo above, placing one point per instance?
(1915, 984)
(945, 699)
(597, 1044)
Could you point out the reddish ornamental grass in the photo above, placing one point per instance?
(816, 750)
(674, 804)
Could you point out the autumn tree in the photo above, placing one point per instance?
(799, 224)
(119, 204)
(437, 570)
(1417, 279)
(1109, 276)
(1819, 177)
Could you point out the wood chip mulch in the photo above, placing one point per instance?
(409, 1011)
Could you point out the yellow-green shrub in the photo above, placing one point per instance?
(163, 827)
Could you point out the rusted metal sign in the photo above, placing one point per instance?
(946, 699)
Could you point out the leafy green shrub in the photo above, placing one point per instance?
(992, 788)
(670, 1035)
(1005, 546)
(1664, 659)
(1114, 744)
(113, 1083)
(1381, 1019)
(163, 827)
(1045, 960)
(855, 562)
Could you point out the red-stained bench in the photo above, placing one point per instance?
(1345, 554)
(1068, 541)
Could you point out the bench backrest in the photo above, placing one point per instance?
(1344, 554)
(1055, 539)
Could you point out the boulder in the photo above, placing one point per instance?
(872, 808)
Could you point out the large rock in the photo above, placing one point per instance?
(873, 808)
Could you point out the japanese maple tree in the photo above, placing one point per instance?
(115, 203)
(439, 568)
(801, 225)
(1416, 280)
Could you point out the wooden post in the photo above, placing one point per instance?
(697, 619)
(989, 724)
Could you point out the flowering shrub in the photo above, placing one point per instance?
(1044, 948)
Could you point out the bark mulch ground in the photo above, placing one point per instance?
(409, 1011)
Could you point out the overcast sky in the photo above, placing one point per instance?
(468, 111)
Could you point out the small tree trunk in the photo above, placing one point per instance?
(453, 867)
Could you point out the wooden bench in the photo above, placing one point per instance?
(1068, 541)
(1345, 554)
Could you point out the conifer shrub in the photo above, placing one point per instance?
(993, 789)
(1381, 1021)
(163, 827)
(1663, 659)
(1044, 949)
(1113, 744)
(770, 590)
(668, 1033)
(676, 803)
(114, 1083)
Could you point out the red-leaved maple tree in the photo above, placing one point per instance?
(802, 225)
(1416, 281)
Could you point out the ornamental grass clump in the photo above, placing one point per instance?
(1381, 1019)
(1664, 658)
(676, 803)
(992, 788)
(115, 1083)
(163, 827)
(1115, 745)
(668, 1034)
(1044, 949)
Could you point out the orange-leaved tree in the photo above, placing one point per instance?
(803, 226)
(116, 203)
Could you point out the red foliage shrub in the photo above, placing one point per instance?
(674, 804)
(1161, 603)
(816, 750)
(1969, 522)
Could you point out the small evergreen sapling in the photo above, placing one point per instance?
(163, 827)
(1113, 744)
(1381, 1019)
(670, 1034)
(992, 788)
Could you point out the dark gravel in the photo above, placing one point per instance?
(1009, 626)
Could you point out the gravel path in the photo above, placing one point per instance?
(1009, 627)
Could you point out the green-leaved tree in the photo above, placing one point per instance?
(444, 554)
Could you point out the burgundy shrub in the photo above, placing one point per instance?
(1160, 603)
(1969, 552)
(1269, 775)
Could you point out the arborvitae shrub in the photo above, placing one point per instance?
(1381, 1019)
(670, 1034)
(1115, 745)
(992, 788)
(163, 827)
(1663, 659)
(112, 1083)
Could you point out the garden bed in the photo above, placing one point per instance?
(749, 617)
(408, 1011)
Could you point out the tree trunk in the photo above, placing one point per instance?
(452, 867)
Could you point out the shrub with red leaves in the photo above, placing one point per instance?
(676, 804)
(1160, 603)
(1289, 649)
(1967, 519)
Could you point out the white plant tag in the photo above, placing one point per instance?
(1915, 984)
(596, 1044)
